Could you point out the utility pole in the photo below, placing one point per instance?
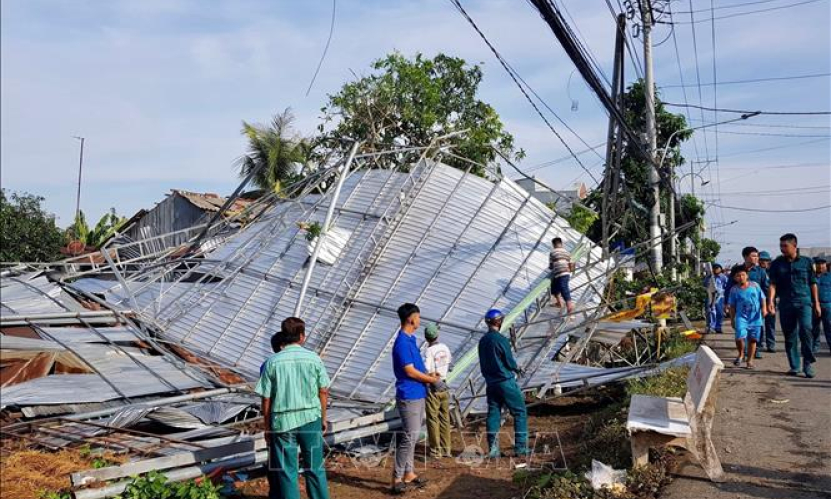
(652, 139)
(611, 173)
(80, 170)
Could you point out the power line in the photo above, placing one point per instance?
(734, 6)
(755, 80)
(772, 125)
(698, 79)
(683, 87)
(749, 12)
(515, 79)
(757, 210)
(325, 49)
(770, 113)
(778, 167)
(769, 134)
(785, 146)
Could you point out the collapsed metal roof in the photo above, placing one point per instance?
(454, 243)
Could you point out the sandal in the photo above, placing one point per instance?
(417, 482)
(737, 362)
(398, 489)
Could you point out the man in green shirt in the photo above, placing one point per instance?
(792, 279)
(294, 389)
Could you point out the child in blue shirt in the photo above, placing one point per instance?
(748, 305)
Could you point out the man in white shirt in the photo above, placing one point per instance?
(437, 360)
(561, 266)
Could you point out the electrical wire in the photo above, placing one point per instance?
(739, 111)
(325, 49)
(756, 80)
(779, 167)
(769, 134)
(758, 210)
(747, 13)
(734, 6)
(514, 77)
(773, 148)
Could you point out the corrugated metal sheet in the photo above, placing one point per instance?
(32, 294)
(130, 373)
(456, 244)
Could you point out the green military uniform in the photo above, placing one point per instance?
(793, 281)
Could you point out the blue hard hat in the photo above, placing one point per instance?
(764, 255)
(717, 265)
(494, 313)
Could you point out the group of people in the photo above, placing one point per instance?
(794, 287)
(294, 388)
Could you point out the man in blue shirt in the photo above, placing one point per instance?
(792, 279)
(824, 291)
(499, 370)
(768, 337)
(411, 380)
(715, 283)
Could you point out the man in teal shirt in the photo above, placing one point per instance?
(792, 279)
(823, 322)
(499, 370)
(294, 390)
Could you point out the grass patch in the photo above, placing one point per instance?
(671, 382)
(31, 474)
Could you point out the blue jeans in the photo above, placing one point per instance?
(559, 286)
(307, 441)
(797, 326)
(822, 323)
(768, 338)
(715, 315)
(507, 394)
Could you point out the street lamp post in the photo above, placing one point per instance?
(673, 256)
(80, 170)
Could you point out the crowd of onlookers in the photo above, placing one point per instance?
(752, 294)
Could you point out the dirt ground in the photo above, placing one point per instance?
(466, 477)
(772, 431)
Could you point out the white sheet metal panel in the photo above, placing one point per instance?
(33, 294)
(461, 245)
(130, 378)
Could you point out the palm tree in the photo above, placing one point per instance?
(275, 151)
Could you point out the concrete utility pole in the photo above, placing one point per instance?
(80, 170)
(652, 136)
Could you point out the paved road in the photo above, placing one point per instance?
(772, 431)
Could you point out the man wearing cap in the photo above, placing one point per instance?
(768, 337)
(792, 279)
(499, 370)
(824, 291)
(437, 360)
(716, 283)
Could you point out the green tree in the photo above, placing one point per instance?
(276, 150)
(581, 218)
(709, 250)
(408, 102)
(27, 232)
(634, 192)
(95, 237)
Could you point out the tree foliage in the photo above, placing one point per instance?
(408, 102)
(95, 237)
(27, 232)
(709, 250)
(276, 150)
(581, 218)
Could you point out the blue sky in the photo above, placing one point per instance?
(159, 89)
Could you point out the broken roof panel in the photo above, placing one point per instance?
(33, 294)
(454, 243)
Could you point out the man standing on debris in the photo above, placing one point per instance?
(561, 266)
(500, 370)
(411, 380)
(823, 322)
(768, 337)
(792, 279)
(294, 389)
(715, 284)
(437, 359)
